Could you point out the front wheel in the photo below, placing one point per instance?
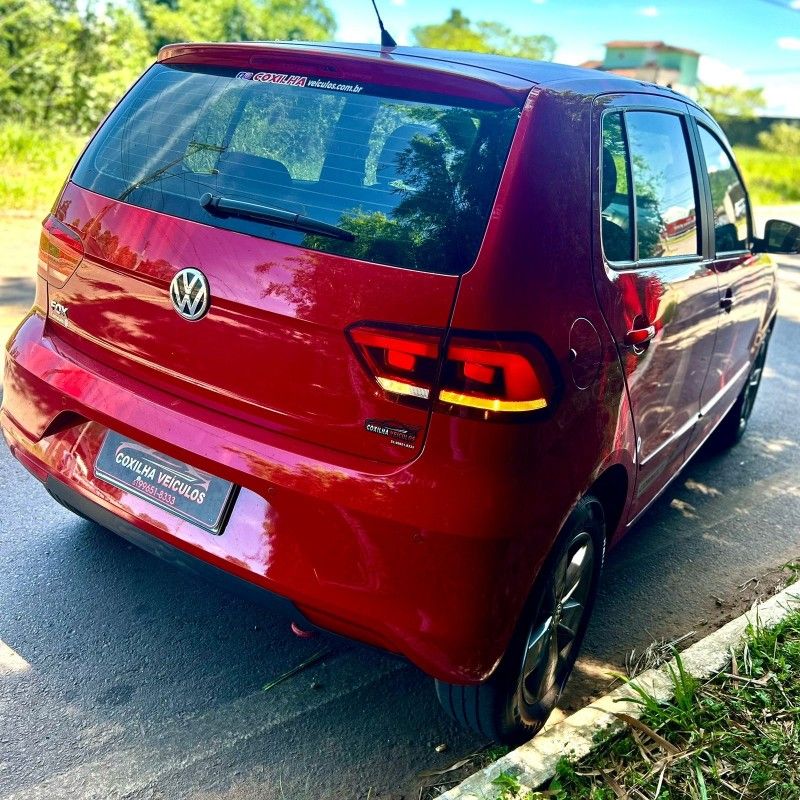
(515, 702)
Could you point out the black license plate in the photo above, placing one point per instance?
(183, 490)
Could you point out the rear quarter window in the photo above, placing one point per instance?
(728, 196)
(649, 194)
(413, 177)
(664, 186)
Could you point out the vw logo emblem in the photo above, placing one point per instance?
(189, 293)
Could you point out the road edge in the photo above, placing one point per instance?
(534, 763)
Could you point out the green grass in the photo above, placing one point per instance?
(772, 178)
(33, 165)
(735, 736)
(509, 786)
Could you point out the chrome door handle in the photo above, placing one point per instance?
(638, 337)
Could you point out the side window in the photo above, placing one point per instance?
(615, 202)
(727, 196)
(666, 196)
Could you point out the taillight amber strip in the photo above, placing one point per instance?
(491, 403)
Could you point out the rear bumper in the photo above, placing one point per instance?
(416, 560)
(86, 508)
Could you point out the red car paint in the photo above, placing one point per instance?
(427, 549)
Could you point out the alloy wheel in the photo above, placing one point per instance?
(549, 650)
(751, 388)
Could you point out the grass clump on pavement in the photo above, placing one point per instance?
(436, 781)
(734, 736)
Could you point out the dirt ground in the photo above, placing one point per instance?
(20, 241)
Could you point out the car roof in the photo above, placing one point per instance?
(501, 70)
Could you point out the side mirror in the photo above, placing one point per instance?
(780, 237)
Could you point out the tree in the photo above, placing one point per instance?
(731, 101)
(66, 62)
(782, 137)
(236, 20)
(457, 32)
(60, 66)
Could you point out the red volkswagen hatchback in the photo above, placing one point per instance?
(404, 338)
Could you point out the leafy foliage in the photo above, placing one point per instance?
(731, 101)
(510, 787)
(58, 66)
(781, 138)
(457, 32)
(66, 64)
(235, 20)
(772, 178)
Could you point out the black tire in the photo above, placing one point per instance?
(733, 426)
(515, 702)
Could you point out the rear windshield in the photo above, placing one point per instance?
(411, 176)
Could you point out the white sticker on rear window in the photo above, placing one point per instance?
(316, 83)
(274, 77)
(300, 80)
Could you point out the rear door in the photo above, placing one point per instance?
(406, 177)
(657, 289)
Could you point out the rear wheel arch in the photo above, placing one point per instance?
(500, 707)
(610, 488)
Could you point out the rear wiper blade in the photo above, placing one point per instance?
(225, 206)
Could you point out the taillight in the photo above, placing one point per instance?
(403, 363)
(498, 375)
(60, 252)
(482, 375)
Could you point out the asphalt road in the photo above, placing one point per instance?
(121, 677)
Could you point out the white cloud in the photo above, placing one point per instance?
(795, 4)
(714, 72)
(782, 96)
(542, 2)
(398, 2)
(789, 43)
(648, 11)
(577, 55)
(780, 91)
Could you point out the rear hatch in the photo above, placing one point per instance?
(308, 199)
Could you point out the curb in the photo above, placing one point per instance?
(534, 763)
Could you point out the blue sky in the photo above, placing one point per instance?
(745, 42)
